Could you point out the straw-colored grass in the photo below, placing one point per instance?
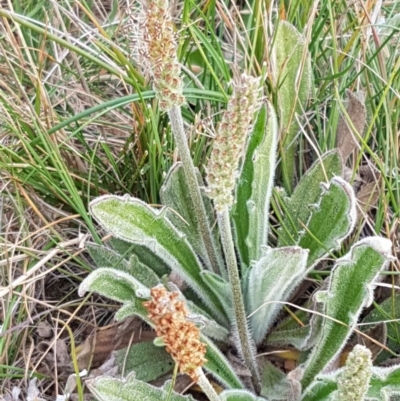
(78, 119)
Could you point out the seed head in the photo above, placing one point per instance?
(160, 52)
(354, 381)
(230, 139)
(181, 337)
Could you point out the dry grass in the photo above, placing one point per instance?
(72, 68)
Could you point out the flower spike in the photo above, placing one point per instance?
(161, 53)
(181, 337)
(230, 140)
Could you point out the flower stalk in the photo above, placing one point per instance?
(222, 171)
(206, 386)
(161, 55)
(193, 187)
(246, 345)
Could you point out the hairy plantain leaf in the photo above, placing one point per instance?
(219, 366)
(114, 284)
(198, 307)
(297, 337)
(301, 337)
(331, 222)
(384, 384)
(388, 310)
(254, 188)
(142, 273)
(144, 254)
(275, 384)
(132, 220)
(306, 193)
(174, 195)
(130, 389)
(133, 308)
(207, 325)
(294, 80)
(220, 288)
(273, 278)
(350, 290)
(292, 321)
(322, 388)
(202, 319)
(146, 360)
(105, 257)
(119, 286)
(239, 395)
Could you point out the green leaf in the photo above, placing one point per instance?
(114, 284)
(144, 254)
(239, 395)
(292, 321)
(297, 337)
(275, 385)
(306, 193)
(180, 212)
(105, 257)
(133, 308)
(321, 389)
(331, 222)
(289, 332)
(200, 315)
(273, 278)
(146, 360)
(294, 80)
(118, 286)
(207, 325)
(142, 273)
(132, 220)
(384, 384)
(254, 188)
(221, 288)
(219, 366)
(130, 389)
(350, 289)
(388, 310)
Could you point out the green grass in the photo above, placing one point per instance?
(79, 119)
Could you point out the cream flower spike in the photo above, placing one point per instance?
(230, 140)
(160, 53)
(354, 381)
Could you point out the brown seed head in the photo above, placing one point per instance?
(181, 337)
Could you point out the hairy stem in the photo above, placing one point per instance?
(193, 186)
(246, 344)
(206, 386)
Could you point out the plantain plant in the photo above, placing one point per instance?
(200, 269)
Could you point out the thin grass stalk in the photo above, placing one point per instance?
(246, 345)
(178, 131)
